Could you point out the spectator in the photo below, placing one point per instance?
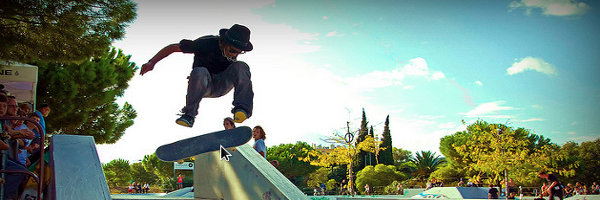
(578, 190)
(11, 111)
(43, 111)
(492, 192)
(180, 182)
(25, 108)
(12, 180)
(544, 190)
(367, 189)
(428, 184)
(24, 143)
(228, 123)
(399, 189)
(461, 183)
(146, 187)
(595, 188)
(470, 183)
(569, 190)
(259, 135)
(130, 188)
(12, 106)
(511, 187)
(342, 186)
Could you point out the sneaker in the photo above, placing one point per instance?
(239, 116)
(185, 120)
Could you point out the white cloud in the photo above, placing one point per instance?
(537, 106)
(378, 79)
(552, 7)
(438, 76)
(479, 83)
(325, 17)
(530, 63)
(416, 67)
(534, 120)
(571, 133)
(333, 34)
(489, 110)
(447, 125)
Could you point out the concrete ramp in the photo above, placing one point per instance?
(77, 169)
(247, 175)
(454, 193)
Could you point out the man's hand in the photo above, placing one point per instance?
(28, 134)
(147, 67)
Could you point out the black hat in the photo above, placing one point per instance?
(237, 36)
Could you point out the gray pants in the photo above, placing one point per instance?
(204, 84)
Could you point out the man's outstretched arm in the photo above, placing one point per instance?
(163, 53)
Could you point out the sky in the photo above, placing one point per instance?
(429, 65)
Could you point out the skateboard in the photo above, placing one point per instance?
(204, 143)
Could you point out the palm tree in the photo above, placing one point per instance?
(426, 162)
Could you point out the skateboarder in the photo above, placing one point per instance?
(554, 188)
(215, 72)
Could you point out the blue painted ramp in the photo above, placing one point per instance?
(454, 193)
(246, 176)
(77, 169)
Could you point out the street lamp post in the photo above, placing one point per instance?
(349, 138)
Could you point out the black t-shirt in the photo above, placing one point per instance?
(551, 178)
(493, 193)
(207, 53)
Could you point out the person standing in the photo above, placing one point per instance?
(554, 186)
(180, 182)
(492, 192)
(400, 190)
(216, 71)
(43, 111)
(228, 123)
(259, 135)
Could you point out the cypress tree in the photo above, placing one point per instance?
(386, 156)
(362, 133)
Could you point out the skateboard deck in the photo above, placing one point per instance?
(204, 143)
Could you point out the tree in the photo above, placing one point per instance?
(316, 178)
(361, 157)
(401, 156)
(495, 149)
(386, 156)
(290, 163)
(426, 162)
(402, 160)
(158, 167)
(118, 171)
(587, 154)
(83, 96)
(377, 176)
(66, 30)
(140, 175)
(163, 170)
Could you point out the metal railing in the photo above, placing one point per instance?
(39, 178)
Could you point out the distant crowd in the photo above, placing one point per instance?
(135, 187)
(20, 140)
